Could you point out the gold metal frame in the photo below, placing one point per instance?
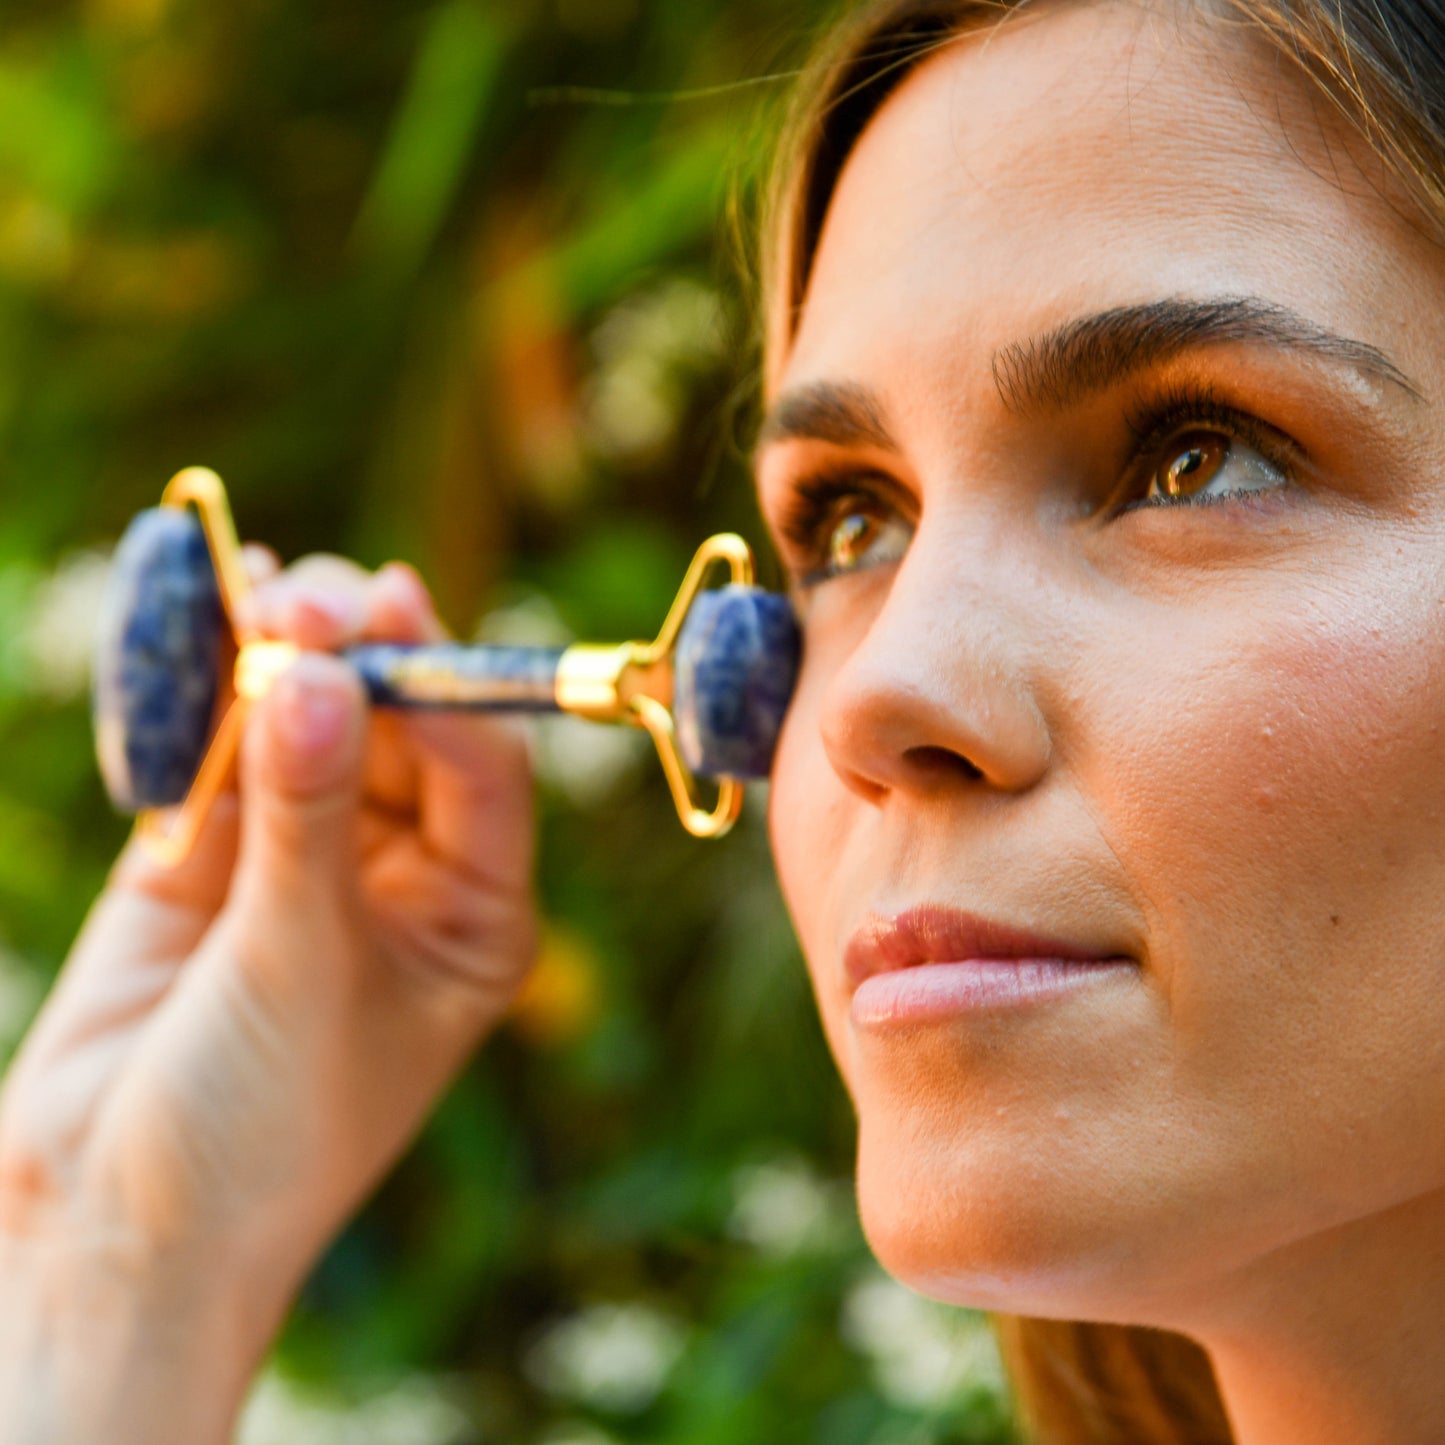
(631, 682)
(170, 833)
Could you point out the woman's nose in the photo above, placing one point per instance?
(937, 691)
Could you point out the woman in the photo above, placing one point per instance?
(1104, 448)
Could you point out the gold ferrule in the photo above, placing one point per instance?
(259, 664)
(600, 683)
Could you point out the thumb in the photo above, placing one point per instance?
(301, 776)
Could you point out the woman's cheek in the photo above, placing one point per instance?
(808, 822)
(1273, 783)
(1273, 753)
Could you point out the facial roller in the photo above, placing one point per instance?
(711, 689)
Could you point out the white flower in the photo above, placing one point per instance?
(613, 1357)
(642, 347)
(577, 1432)
(923, 1354)
(58, 631)
(784, 1208)
(528, 619)
(633, 407)
(416, 1411)
(584, 761)
(681, 318)
(895, 1434)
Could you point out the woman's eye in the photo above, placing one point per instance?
(1208, 465)
(864, 538)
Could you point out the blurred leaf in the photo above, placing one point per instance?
(452, 77)
(55, 136)
(646, 216)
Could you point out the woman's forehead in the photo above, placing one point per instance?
(1093, 156)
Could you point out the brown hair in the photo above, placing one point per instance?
(1381, 64)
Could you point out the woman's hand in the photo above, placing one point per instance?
(239, 1046)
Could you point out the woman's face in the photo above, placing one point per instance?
(1109, 457)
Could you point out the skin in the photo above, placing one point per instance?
(1203, 738)
(240, 1046)
(1206, 738)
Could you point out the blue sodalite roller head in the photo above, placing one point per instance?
(157, 660)
(734, 668)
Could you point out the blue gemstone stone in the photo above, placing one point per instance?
(734, 669)
(157, 661)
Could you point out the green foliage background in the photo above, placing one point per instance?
(414, 293)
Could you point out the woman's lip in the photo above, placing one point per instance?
(932, 933)
(936, 992)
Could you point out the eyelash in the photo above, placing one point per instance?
(817, 502)
(814, 506)
(1182, 408)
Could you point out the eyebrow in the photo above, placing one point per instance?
(839, 412)
(1081, 357)
(1093, 353)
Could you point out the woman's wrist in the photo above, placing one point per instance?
(102, 1341)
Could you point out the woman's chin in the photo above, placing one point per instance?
(996, 1231)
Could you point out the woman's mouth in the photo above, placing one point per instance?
(932, 961)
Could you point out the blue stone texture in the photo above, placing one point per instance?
(458, 676)
(734, 670)
(157, 665)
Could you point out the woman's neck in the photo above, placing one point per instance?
(1340, 1340)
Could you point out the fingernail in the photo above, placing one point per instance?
(406, 584)
(340, 612)
(311, 708)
